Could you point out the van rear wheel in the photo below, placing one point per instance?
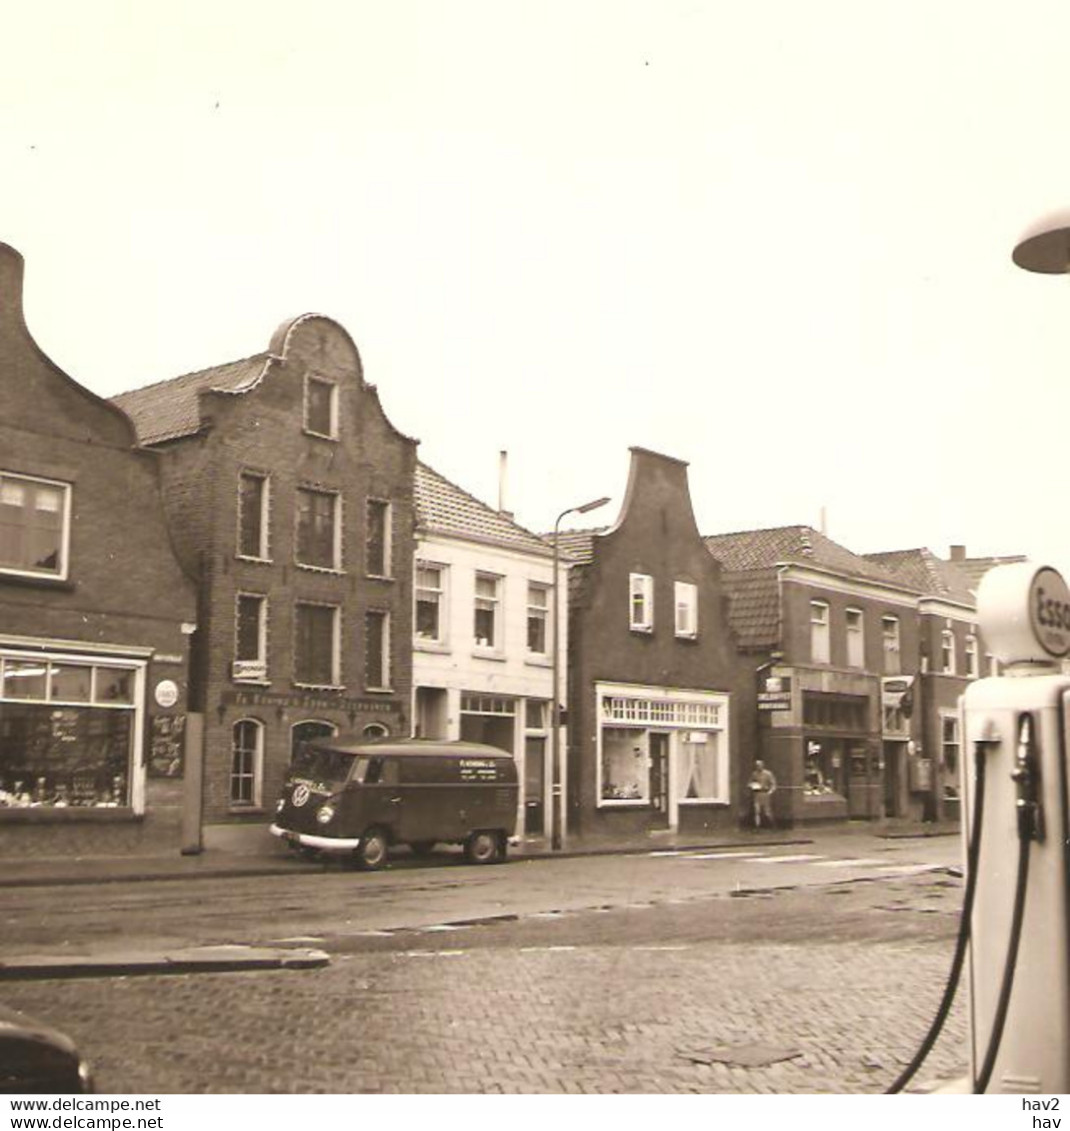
(483, 847)
(372, 851)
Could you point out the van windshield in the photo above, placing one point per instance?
(321, 765)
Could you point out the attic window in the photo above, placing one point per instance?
(321, 407)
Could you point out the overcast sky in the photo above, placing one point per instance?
(769, 238)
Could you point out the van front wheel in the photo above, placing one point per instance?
(483, 848)
(372, 851)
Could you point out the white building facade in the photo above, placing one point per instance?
(483, 639)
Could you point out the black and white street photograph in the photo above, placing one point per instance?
(531, 560)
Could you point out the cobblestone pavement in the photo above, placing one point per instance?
(807, 993)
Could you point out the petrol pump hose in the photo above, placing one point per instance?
(1030, 828)
(973, 852)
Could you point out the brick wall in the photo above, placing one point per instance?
(261, 431)
(125, 586)
(656, 535)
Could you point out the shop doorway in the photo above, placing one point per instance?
(659, 778)
(894, 756)
(534, 771)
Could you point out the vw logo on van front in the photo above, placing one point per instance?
(301, 795)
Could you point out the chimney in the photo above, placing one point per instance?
(503, 470)
(958, 553)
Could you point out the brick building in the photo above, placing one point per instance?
(951, 652)
(832, 643)
(659, 705)
(290, 497)
(482, 666)
(95, 615)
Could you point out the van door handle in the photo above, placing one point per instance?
(395, 800)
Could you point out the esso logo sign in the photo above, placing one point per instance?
(1024, 612)
(1049, 606)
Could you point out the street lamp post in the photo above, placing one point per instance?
(557, 786)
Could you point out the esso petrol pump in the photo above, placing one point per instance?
(1016, 828)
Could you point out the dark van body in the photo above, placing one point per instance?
(360, 797)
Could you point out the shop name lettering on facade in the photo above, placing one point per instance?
(308, 702)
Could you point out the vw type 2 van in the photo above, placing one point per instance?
(363, 797)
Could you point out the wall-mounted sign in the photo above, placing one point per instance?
(248, 669)
(774, 700)
(166, 746)
(166, 693)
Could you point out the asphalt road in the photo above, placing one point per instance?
(686, 973)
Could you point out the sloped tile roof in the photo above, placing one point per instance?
(444, 508)
(760, 549)
(577, 545)
(922, 569)
(754, 607)
(171, 409)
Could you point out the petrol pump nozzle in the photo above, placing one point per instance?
(1025, 776)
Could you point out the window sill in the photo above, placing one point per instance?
(537, 661)
(59, 583)
(488, 654)
(641, 630)
(319, 686)
(379, 577)
(330, 571)
(685, 802)
(253, 560)
(320, 435)
(623, 803)
(687, 637)
(422, 644)
(379, 690)
(235, 810)
(250, 682)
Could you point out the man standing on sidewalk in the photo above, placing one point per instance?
(763, 786)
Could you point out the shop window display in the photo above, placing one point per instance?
(66, 734)
(624, 765)
(697, 764)
(823, 769)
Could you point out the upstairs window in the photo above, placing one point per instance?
(253, 515)
(538, 618)
(819, 632)
(318, 529)
(250, 652)
(890, 636)
(641, 602)
(430, 602)
(488, 598)
(947, 652)
(856, 639)
(973, 669)
(377, 650)
(321, 407)
(316, 645)
(34, 526)
(686, 600)
(377, 558)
